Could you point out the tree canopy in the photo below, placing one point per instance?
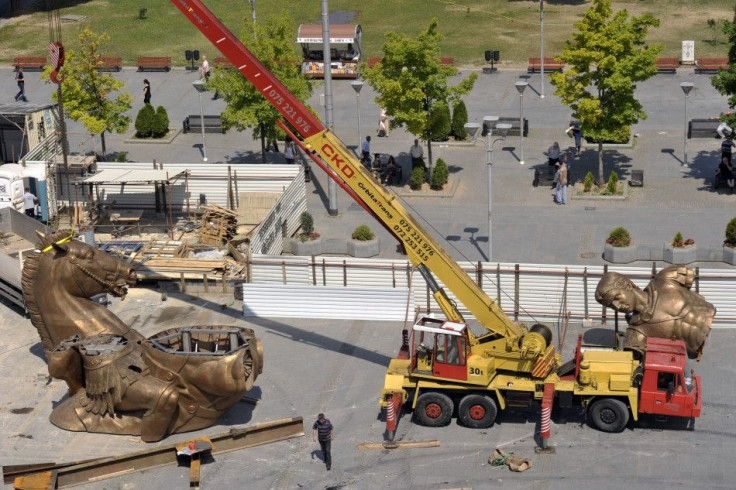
(606, 56)
(272, 42)
(725, 80)
(88, 95)
(411, 81)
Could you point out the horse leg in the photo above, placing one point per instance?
(66, 364)
(159, 398)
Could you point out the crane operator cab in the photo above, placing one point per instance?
(440, 349)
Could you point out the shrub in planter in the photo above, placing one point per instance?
(589, 182)
(417, 178)
(619, 237)
(612, 184)
(439, 122)
(730, 240)
(459, 120)
(679, 242)
(619, 135)
(306, 222)
(145, 121)
(363, 233)
(440, 174)
(160, 123)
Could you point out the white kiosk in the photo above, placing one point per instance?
(345, 50)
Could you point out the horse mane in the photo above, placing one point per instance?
(29, 274)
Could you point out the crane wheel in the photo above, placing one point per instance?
(609, 415)
(433, 409)
(477, 411)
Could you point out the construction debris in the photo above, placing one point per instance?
(219, 225)
(501, 458)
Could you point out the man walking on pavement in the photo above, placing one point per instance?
(416, 153)
(21, 95)
(366, 148)
(322, 430)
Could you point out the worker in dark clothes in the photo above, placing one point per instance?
(322, 431)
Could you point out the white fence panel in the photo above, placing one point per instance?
(293, 301)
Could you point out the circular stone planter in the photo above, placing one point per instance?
(619, 255)
(679, 255)
(366, 248)
(729, 255)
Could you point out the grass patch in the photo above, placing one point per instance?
(512, 27)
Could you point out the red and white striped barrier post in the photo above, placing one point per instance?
(393, 410)
(547, 401)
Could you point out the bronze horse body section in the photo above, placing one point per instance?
(120, 383)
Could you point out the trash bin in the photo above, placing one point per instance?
(637, 178)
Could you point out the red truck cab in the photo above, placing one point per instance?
(668, 387)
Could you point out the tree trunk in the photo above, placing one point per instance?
(263, 144)
(429, 158)
(601, 180)
(104, 147)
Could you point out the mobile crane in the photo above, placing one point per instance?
(446, 366)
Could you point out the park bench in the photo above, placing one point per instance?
(550, 64)
(110, 63)
(29, 62)
(212, 123)
(667, 65)
(160, 63)
(446, 61)
(514, 121)
(710, 65)
(703, 128)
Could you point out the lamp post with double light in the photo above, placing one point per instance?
(357, 86)
(490, 122)
(199, 85)
(686, 88)
(521, 86)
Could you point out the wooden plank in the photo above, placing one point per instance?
(370, 446)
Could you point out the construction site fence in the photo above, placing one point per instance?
(529, 293)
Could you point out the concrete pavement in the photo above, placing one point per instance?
(527, 226)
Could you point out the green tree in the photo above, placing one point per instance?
(410, 81)
(90, 97)
(440, 123)
(272, 42)
(161, 123)
(606, 57)
(725, 80)
(459, 120)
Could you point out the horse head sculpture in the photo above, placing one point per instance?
(58, 280)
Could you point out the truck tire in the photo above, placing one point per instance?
(609, 415)
(433, 409)
(477, 411)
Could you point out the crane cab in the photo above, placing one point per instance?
(439, 349)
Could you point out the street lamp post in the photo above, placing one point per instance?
(357, 86)
(521, 86)
(199, 85)
(686, 88)
(489, 122)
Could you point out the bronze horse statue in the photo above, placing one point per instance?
(119, 382)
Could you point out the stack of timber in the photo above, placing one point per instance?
(219, 225)
(166, 259)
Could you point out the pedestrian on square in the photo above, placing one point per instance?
(727, 148)
(417, 153)
(146, 91)
(21, 95)
(323, 432)
(383, 124)
(366, 151)
(204, 71)
(577, 133)
(289, 152)
(561, 180)
(553, 156)
(726, 172)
